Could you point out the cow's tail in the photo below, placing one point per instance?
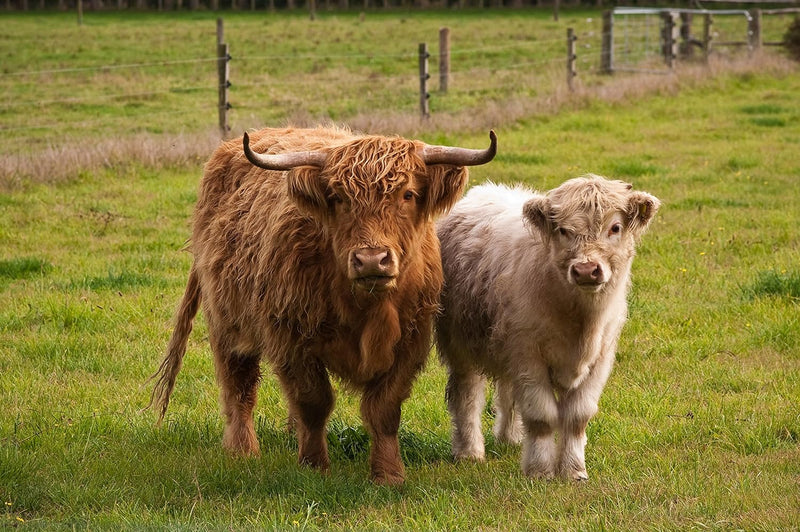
(173, 358)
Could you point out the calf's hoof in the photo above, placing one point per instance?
(538, 474)
(469, 456)
(577, 476)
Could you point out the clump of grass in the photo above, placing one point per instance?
(23, 268)
(762, 109)
(775, 284)
(119, 281)
(743, 162)
(347, 441)
(768, 121)
(633, 167)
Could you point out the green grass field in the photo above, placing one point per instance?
(699, 426)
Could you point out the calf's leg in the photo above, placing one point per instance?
(465, 394)
(537, 404)
(576, 408)
(508, 426)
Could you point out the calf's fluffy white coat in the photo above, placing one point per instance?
(535, 297)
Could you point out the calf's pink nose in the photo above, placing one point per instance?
(587, 273)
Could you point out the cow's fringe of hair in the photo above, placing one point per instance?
(176, 349)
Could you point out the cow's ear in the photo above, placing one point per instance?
(536, 213)
(444, 188)
(642, 208)
(308, 190)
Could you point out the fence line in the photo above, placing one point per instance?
(109, 67)
(98, 121)
(121, 96)
(586, 54)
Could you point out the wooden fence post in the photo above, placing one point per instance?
(708, 21)
(423, 80)
(607, 53)
(685, 48)
(444, 59)
(669, 37)
(571, 72)
(223, 69)
(754, 30)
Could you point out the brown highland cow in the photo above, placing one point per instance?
(316, 250)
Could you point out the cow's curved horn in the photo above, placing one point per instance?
(283, 161)
(460, 156)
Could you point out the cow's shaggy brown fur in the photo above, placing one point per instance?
(273, 261)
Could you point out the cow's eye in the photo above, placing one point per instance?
(563, 232)
(337, 198)
(408, 196)
(615, 229)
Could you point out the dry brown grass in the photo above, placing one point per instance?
(56, 163)
(59, 162)
(556, 97)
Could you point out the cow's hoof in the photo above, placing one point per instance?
(320, 463)
(239, 444)
(388, 479)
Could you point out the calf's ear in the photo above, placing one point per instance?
(308, 190)
(642, 207)
(445, 186)
(536, 213)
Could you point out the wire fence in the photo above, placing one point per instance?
(155, 95)
(266, 88)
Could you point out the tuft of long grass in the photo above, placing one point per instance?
(775, 284)
(23, 267)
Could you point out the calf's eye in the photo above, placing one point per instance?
(615, 229)
(562, 231)
(408, 196)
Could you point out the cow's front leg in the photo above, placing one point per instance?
(537, 404)
(307, 388)
(380, 410)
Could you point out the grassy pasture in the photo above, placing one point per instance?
(699, 425)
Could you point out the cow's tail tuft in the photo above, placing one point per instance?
(173, 358)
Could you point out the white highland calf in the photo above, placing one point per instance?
(535, 297)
